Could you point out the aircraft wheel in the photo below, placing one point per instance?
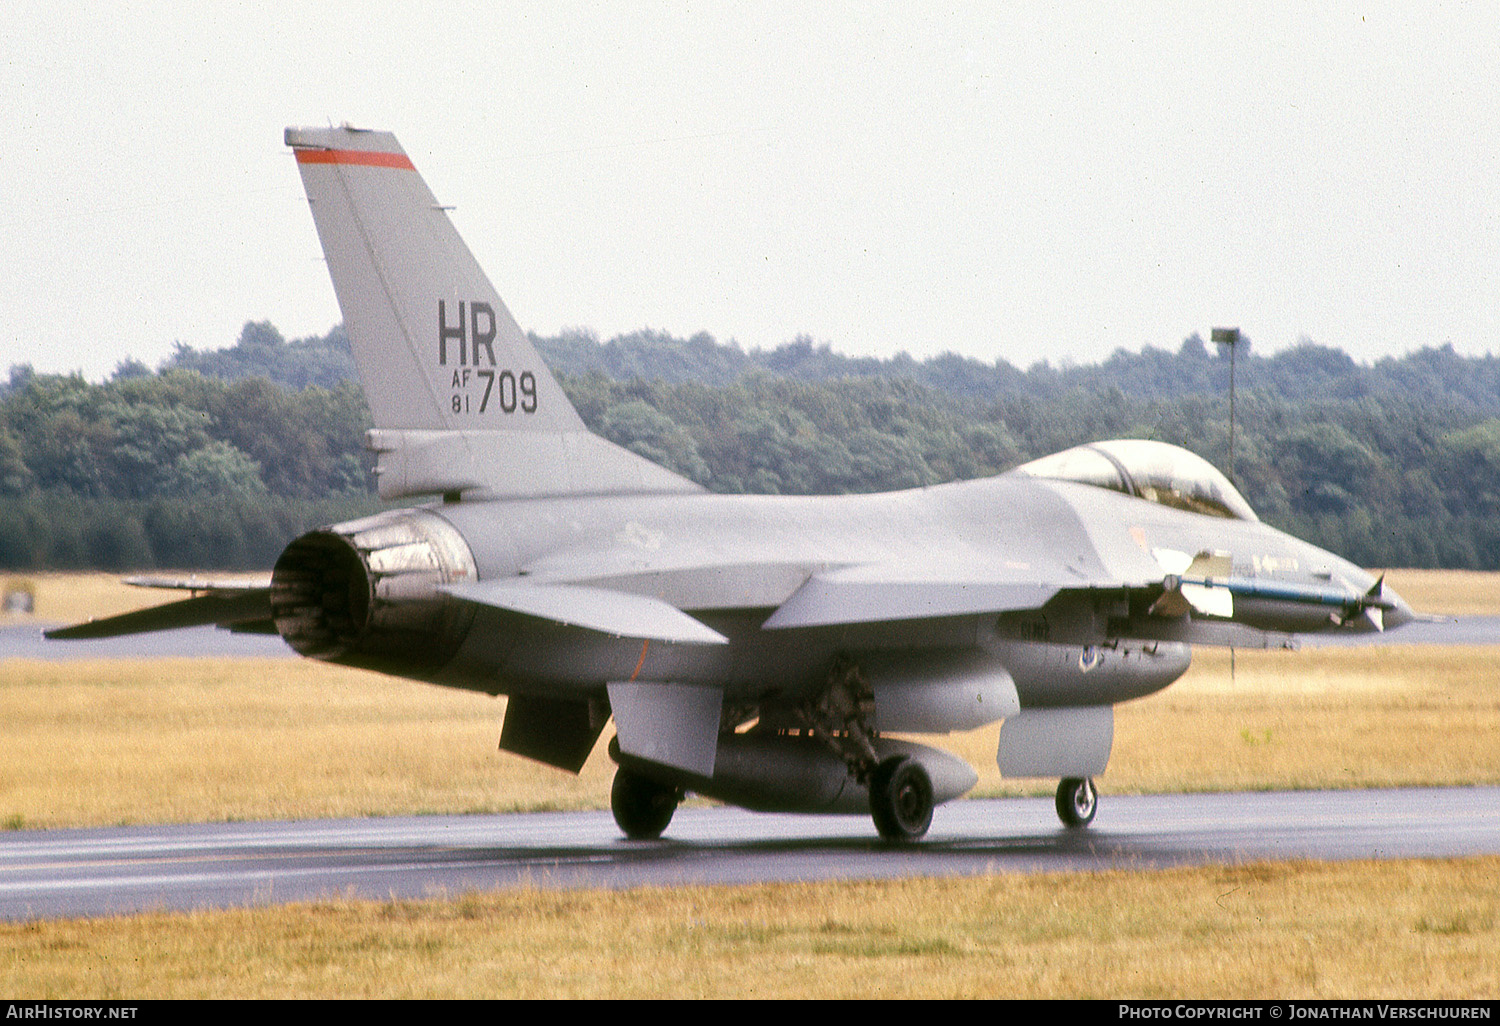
(1077, 801)
(901, 799)
(641, 806)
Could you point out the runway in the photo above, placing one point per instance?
(85, 873)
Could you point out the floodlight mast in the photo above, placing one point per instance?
(1229, 337)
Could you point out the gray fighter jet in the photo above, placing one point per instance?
(759, 650)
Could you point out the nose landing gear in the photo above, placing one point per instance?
(1077, 801)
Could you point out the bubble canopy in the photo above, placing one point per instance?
(1154, 471)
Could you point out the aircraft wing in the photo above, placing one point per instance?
(1193, 606)
(872, 593)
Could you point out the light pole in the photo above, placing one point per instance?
(1229, 337)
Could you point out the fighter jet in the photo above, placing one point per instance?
(766, 651)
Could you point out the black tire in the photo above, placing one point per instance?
(641, 806)
(901, 799)
(1077, 801)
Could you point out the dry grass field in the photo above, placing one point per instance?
(92, 743)
(1448, 592)
(150, 741)
(1387, 930)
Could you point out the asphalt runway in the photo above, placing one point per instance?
(85, 873)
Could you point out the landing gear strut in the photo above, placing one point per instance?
(1077, 801)
(900, 788)
(641, 806)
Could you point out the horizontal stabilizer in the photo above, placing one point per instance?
(196, 584)
(242, 610)
(872, 594)
(610, 612)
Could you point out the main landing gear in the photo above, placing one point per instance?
(901, 799)
(901, 796)
(641, 806)
(1077, 801)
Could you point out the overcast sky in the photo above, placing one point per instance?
(1021, 181)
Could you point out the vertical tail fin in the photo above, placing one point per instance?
(460, 398)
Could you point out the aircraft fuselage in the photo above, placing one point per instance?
(730, 561)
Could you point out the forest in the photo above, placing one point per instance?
(217, 458)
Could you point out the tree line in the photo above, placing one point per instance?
(218, 458)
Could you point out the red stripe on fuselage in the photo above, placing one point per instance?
(367, 158)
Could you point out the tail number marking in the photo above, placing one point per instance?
(473, 336)
(505, 390)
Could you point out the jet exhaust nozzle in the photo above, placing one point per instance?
(366, 592)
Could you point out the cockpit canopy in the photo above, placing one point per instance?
(1154, 471)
